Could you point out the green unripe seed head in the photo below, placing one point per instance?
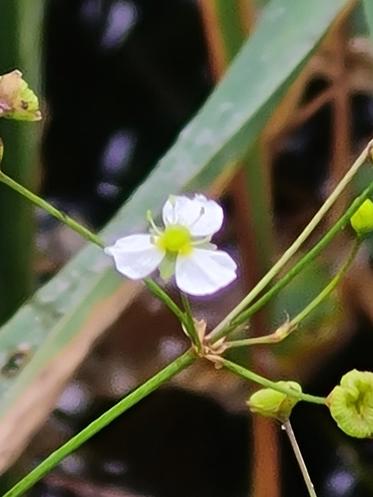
(351, 404)
(274, 404)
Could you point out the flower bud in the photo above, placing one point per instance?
(17, 101)
(274, 404)
(351, 404)
(362, 220)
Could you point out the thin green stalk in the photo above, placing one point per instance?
(327, 290)
(234, 319)
(189, 325)
(123, 405)
(265, 382)
(298, 455)
(88, 235)
(43, 204)
(288, 327)
(158, 292)
(294, 247)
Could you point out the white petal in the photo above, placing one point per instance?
(204, 271)
(180, 210)
(210, 218)
(135, 256)
(202, 216)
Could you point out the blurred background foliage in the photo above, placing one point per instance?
(120, 79)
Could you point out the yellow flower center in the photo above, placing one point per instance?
(175, 239)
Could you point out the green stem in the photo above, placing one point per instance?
(237, 317)
(298, 455)
(158, 292)
(294, 247)
(43, 204)
(265, 382)
(288, 327)
(189, 325)
(74, 443)
(327, 290)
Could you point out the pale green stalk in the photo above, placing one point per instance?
(158, 292)
(226, 326)
(189, 325)
(294, 247)
(43, 204)
(265, 382)
(288, 327)
(298, 454)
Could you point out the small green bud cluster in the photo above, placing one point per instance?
(274, 404)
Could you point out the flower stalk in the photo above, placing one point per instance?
(227, 323)
(265, 382)
(233, 321)
(53, 211)
(291, 325)
(298, 455)
(189, 325)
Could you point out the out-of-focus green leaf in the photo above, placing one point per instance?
(358, 21)
(254, 181)
(368, 9)
(77, 304)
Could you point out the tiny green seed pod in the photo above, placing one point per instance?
(274, 404)
(351, 404)
(362, 220)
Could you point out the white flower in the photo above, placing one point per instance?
(181, 248)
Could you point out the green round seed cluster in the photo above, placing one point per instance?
(351, 404)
